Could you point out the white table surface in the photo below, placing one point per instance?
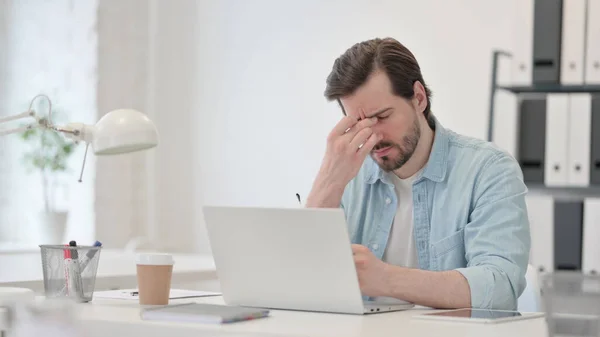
(103, 317)
(116, 269)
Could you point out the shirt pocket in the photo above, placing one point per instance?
(449, 252)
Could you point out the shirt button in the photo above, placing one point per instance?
(375, 246)
(388, 201)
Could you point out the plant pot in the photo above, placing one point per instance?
(51, 227)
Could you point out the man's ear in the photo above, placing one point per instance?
(420, 97)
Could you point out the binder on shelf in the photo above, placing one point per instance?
(540, 209)
(592, 58)
(580, 131)
(573, 42)
(595, 141)
(557, 119)
(547, 29)
(522, 54)
(506, 124)
(568, 235)
(591, 230)
(532, 139)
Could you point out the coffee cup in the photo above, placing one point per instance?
(154, 272)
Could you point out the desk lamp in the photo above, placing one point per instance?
(119, 131)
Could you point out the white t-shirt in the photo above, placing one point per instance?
(401, 249)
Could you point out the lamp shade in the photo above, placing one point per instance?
(123, 131)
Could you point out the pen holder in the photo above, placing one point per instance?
(571, 301)
(70, 271)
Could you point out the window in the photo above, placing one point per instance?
(50, 48)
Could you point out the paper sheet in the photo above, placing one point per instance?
(131, 294)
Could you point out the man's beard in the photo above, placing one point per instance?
(405, 152)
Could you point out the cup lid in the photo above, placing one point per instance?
(155, 259)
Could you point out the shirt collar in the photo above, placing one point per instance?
(435, 168)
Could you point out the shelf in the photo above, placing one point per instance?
(566, 193)
(552, 88)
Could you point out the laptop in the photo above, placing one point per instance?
(288, 258)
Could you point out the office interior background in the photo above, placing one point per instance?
(235, 89)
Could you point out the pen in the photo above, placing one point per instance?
(82, 266)
(70, 286)
(74, 253)
(76, 270)
(298, 196)
(89, 256)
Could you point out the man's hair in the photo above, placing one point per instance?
(352, 69)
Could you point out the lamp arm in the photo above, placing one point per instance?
(78, 132)
(75, 131)
(22, 115)
(39, 122)
(16, 130)
(18, 116)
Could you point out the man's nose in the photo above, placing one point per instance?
(376, 127)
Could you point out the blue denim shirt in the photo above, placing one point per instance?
(469, 215)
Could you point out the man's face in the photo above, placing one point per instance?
(398, 121)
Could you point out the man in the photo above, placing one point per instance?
(436, 218)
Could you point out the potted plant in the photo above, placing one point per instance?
(48, 155)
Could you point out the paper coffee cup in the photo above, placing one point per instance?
(154, 272)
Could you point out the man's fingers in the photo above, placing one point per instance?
(369, 144)
(343, 125)
(355, 247)
(360, 138)
(365, 123)
(360, 260)
(358, 248)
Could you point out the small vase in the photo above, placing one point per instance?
(51, 227)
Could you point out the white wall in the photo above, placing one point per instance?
(122, 181)
(147, 60)
(236, 90)
(261, 118)
(173, 87)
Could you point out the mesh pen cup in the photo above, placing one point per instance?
(70, 271)
(571, 302)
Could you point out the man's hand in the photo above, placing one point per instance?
(437, 289)
(371, 272)
(348, 144)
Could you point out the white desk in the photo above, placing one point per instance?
(103, 318)
(116, 270)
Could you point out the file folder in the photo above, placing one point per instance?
(540, 209)
(595, 143)
(506, 123)
(580, 132)
(522, 55)
(547, 31)
(573, 42)
(592, 66)
(591, 236)
(568, 235)
(557, 121)
(532, 139)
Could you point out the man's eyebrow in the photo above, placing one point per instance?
(380, 112)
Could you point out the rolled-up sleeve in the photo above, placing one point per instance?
(497, 237)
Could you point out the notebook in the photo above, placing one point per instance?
(132, 294)
(202, 313)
